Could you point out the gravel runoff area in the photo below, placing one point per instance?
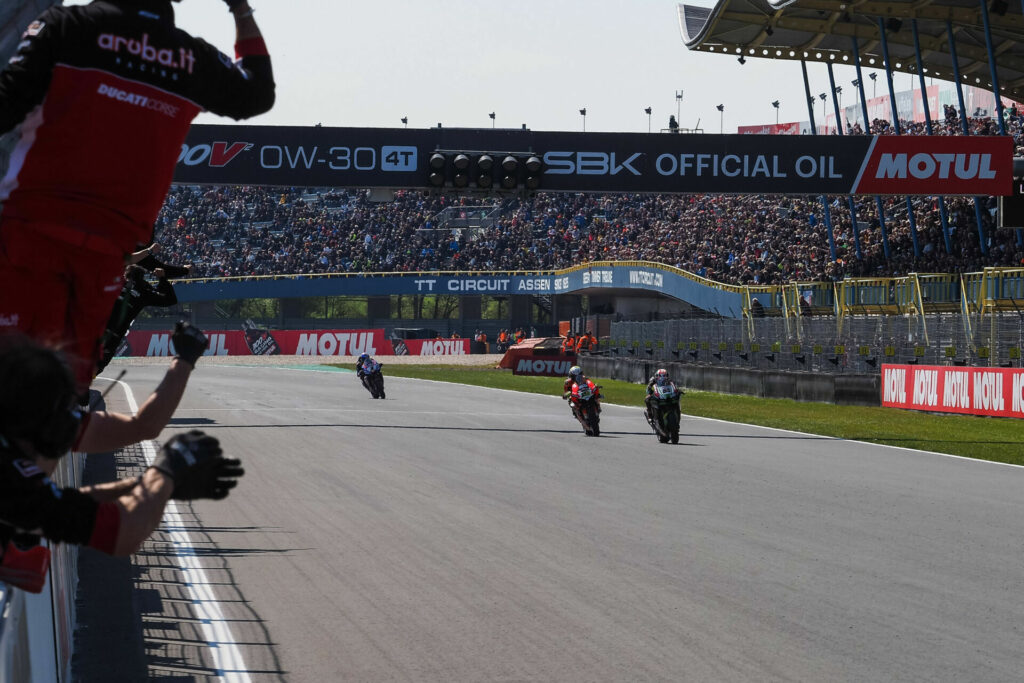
(489, 359)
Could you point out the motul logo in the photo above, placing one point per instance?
(443, 347)
(924, 166)
(216, 155)
(335, 344)
(531, 366)
(946, 165)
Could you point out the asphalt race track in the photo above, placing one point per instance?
(454, 533)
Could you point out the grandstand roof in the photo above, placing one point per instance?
(821, 30)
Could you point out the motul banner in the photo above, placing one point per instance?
(997, 392)
(259, 342)
(601, 162)
(771, 129)
(548, 366)
(437, 347)
(902, 165)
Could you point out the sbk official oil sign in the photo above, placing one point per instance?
(606, 162)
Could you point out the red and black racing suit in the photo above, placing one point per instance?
(104, 95)
(30, 503)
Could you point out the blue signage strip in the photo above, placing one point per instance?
(648, 277)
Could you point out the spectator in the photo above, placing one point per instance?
(756, 308)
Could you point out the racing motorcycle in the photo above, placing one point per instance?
(586, 407)
(665, 408)
(373, 378)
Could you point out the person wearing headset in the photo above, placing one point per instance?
(39, 422)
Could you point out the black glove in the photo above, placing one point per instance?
(194, 461)
(232, 4)
(189, 342)
(213, 479)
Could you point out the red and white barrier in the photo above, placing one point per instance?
(998, 392)
(295, 343)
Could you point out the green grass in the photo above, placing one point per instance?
(997, 439)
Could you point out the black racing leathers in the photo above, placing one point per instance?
(136, 295)
(30, 503)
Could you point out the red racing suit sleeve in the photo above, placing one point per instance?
(31, 503)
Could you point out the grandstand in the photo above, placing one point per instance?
(251, 231)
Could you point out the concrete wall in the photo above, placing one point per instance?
(650, 308)
(861, 390)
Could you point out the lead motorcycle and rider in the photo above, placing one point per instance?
(662, 403)
(584, 399)
(368, 371)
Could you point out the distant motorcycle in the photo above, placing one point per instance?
(587, 407)
(664, 413)
(373, 378)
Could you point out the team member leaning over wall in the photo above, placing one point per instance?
(39, 422)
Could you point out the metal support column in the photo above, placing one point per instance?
(849, 198)
(810, 100)
(867, 131)
(898, 128)
(828, 226)
(995, 84)
(824, 199)
(943, 216)
(965, 127)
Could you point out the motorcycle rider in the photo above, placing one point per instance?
(362, 363)
(577, 379)
(660, 378)
(575, 375)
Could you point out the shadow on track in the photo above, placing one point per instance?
(414, 427)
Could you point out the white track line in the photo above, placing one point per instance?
(227, 657)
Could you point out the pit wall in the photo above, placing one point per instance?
(36, 630)
(862, 390)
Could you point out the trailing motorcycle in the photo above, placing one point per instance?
(373, 378)
(586, 406)
(663, 414)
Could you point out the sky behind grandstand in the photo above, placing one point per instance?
(536, 62)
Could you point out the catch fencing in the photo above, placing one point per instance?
(856, 344)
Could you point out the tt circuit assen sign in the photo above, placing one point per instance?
(996, 392)
(605, 162)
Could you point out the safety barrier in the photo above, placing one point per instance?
(36, 629)
(801, 386)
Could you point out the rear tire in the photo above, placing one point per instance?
(675, 437)
(662, 439)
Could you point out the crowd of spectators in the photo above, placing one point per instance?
(740, 239)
